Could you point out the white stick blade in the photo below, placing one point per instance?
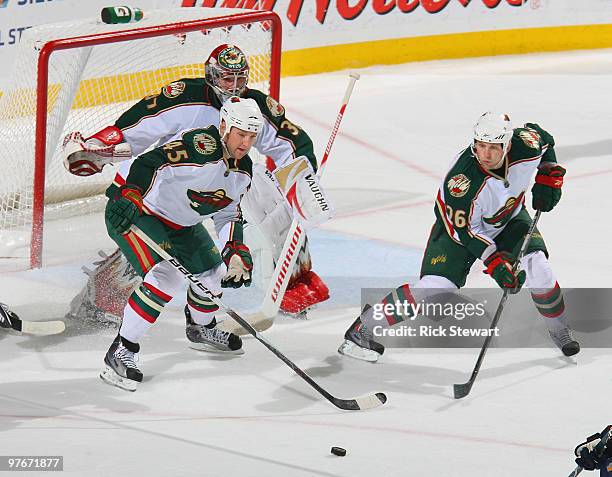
(43, 327)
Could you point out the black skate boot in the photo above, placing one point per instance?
(359, 342)
(210, 338)
(121, 369)
(8, 319)
(562, 337)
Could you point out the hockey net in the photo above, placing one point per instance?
(81, 76)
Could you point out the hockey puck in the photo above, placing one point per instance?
(338, 451)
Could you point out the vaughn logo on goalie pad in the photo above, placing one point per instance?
(303, 193)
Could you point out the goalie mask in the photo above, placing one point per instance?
(493, 128)
(227, 71)
(242, 113)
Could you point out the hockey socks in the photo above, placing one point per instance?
(143, 307)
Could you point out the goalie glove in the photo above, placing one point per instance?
(300, 186)
(237, 258)
(85, 157)
(591, 454)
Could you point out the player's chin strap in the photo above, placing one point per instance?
(264, 319)
(365, 402)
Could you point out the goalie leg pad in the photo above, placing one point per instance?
(108, 287)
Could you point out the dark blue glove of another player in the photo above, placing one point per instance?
(591, 454)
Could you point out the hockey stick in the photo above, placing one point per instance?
(9, 320)
(462, 390)
(263, 319)
(599, 450)
(366, 402)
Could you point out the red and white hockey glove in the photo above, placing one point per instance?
(500, 268)
(85, 157)
(546, 192)
(237, 257)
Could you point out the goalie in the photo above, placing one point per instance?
(158, 119)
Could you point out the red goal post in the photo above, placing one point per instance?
(269, 19)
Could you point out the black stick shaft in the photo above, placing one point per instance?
(462, 390)
(346, 404)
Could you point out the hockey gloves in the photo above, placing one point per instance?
(589, 455)
(125, 208)
(546, 192)
(500, 268)
(237, 257)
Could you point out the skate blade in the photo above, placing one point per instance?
(109, 376)
(43, 328)
(350, 349)
(212, 349)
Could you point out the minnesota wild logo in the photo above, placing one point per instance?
(232, 59)
(204, 143)
(531, 138)
(276, 109)
(206, 202)
(502, 216)
(173, 89)
(458, 185)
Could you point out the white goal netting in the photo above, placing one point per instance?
(88, 88)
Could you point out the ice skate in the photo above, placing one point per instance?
(564, 340)
(359, 343)
(121, 370)
(210, 338)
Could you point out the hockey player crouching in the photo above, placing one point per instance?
(167, 193)
(480, 214)
(185, 104)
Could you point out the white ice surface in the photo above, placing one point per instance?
(201, 415)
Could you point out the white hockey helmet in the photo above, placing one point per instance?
(242, 113)
(495, 128)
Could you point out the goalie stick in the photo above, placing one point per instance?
(264, 318)
(361, 403)
(9, 320)
(599, 449)
(462, 390)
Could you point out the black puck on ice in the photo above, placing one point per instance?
(338, 451)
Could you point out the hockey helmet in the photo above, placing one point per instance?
(242, 113)
(227, 71)
(493, 128)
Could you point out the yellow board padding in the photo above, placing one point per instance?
(117, 88)
(439, 47)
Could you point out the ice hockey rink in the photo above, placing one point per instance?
(198, 414)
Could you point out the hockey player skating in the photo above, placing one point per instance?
(595, 453)
(186, 104)
(166, 193)
(480, 214)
